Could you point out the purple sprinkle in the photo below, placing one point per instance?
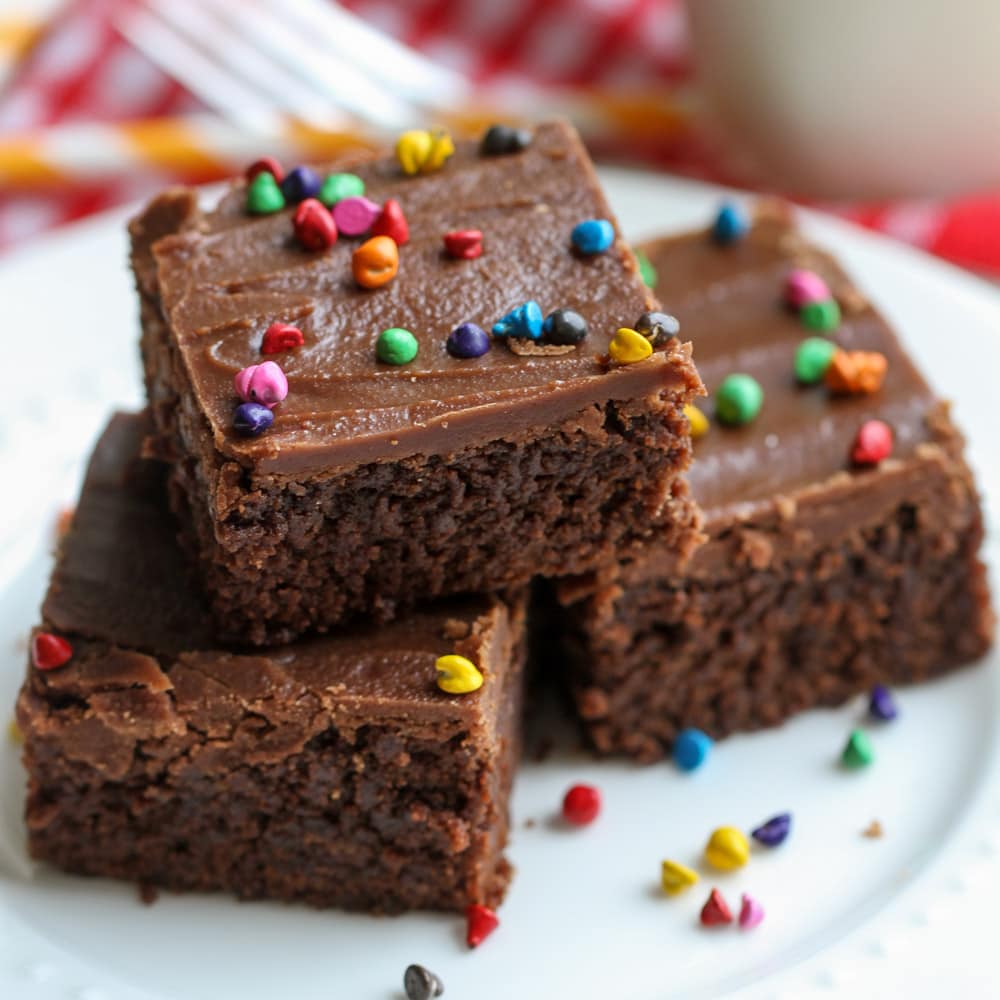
(468, 341)
(300, 183)
(881, 705)
(774, 831)
(252, 419)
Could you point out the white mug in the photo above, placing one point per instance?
(854, 98)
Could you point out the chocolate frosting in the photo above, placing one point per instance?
(225, 276)
(122, 595)
(730, 304)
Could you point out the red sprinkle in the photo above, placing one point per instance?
(392, 223)
(581, 804)
(281, 337)
(716, 910)
(464, 244)
(872, 444)
(49, 651)
(265, 165)
(314, 225)
(481, 923)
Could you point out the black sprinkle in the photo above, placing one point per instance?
(421, 983)
(564, 327)
(502, 139)
(657, 327)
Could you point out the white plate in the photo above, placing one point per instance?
(584, 917)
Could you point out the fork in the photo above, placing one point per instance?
(257, 60)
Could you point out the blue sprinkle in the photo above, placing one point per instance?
(730, 225)
(593, 236)
(774, 831)
(881, 706)
(524, 321)
(252, 419)
(300, 183)
(691, 748)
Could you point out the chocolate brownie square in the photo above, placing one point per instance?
(820, 577)
(382, 484)
(334, 772)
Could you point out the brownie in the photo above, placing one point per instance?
(818, 578)
(334, 771)
(378, 485)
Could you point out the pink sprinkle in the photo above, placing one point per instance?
(803, 287)
(355, 215)
(751, 913)
(264, 383)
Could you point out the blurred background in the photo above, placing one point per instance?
(886, 113)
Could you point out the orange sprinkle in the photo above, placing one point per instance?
(375, 262)
(856, 372)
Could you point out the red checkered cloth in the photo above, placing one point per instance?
(82, 69)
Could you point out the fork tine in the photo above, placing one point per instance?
(379, 55)
(307, 58)
(175, 56)
(200, 25)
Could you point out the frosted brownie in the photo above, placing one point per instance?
(333, 772)
(820, 577)
(380, 484)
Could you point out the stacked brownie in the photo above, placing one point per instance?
(314, 693)
(332, 771)
(829, 565)
(283, 646)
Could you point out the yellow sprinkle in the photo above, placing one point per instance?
(457, 675)
(14, 733)
(441, 148)
(412, 149)
(420, 151)
(697, 420)
(627, 346)
(676, 877)
(727, 849)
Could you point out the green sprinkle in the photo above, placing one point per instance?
(264, 197)
(812, 358)
(820, 316)
(646, 270)
(396, 346)
(738, 399)
(859, 751)
(337, 187)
